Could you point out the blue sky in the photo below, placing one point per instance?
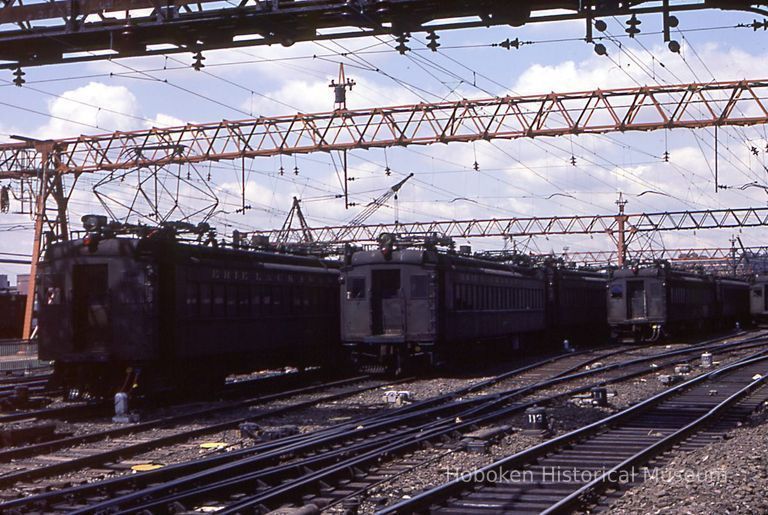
(516, 178)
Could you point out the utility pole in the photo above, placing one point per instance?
(340, 89)
(340, 104)
(45, 149)
(621, 240)
(51, 185)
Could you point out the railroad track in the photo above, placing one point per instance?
(549, 478)
(12, 379)
(34, 384)
(332, 461)
(72, 453)
(62, 464)
(78, 410)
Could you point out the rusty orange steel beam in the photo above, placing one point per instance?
(554, 114)
(543, 226)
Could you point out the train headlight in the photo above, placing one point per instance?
(93, 222)
(91, 240)
(386, 245)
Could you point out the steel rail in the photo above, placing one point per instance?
(476, 412)
(59, 467)
(426, 499)
(155, 476)
(572, 501)
(217, 465)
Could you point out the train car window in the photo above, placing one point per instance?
(386, 283)
(277, 300)
(193, 301)
(219, 306)
(231, 300)
(255, 300)
(419, 286)
(757, 292)
(617, 291)
(205, 299)
(355, 288)
(297, 296)
(266, 299)
(243, 301)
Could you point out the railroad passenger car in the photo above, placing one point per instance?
(758, 299)
(12, 306)
(406, 305)
(576, 304)
(157, 312)
(647, 303)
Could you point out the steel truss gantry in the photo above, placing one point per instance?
(59, 31)
(612, 225)
(691, 106)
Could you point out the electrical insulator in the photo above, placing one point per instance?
(510, 44)
(197, 64)
(600, 49)
(18, 75)
(433, 44)
(674, 47)
(476, 166)
(387, 171)
(633, 29)
(601, 26)
(401, 47)
(673, 22)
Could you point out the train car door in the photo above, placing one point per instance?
(386, 302)
(636, 305)
(420, 315)
(90, 293)
(765, 299)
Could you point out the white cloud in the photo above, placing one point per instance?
(161, 120)
(644, 68)
(82, 110)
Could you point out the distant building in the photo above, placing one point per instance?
(22, 283)
(4, 284)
